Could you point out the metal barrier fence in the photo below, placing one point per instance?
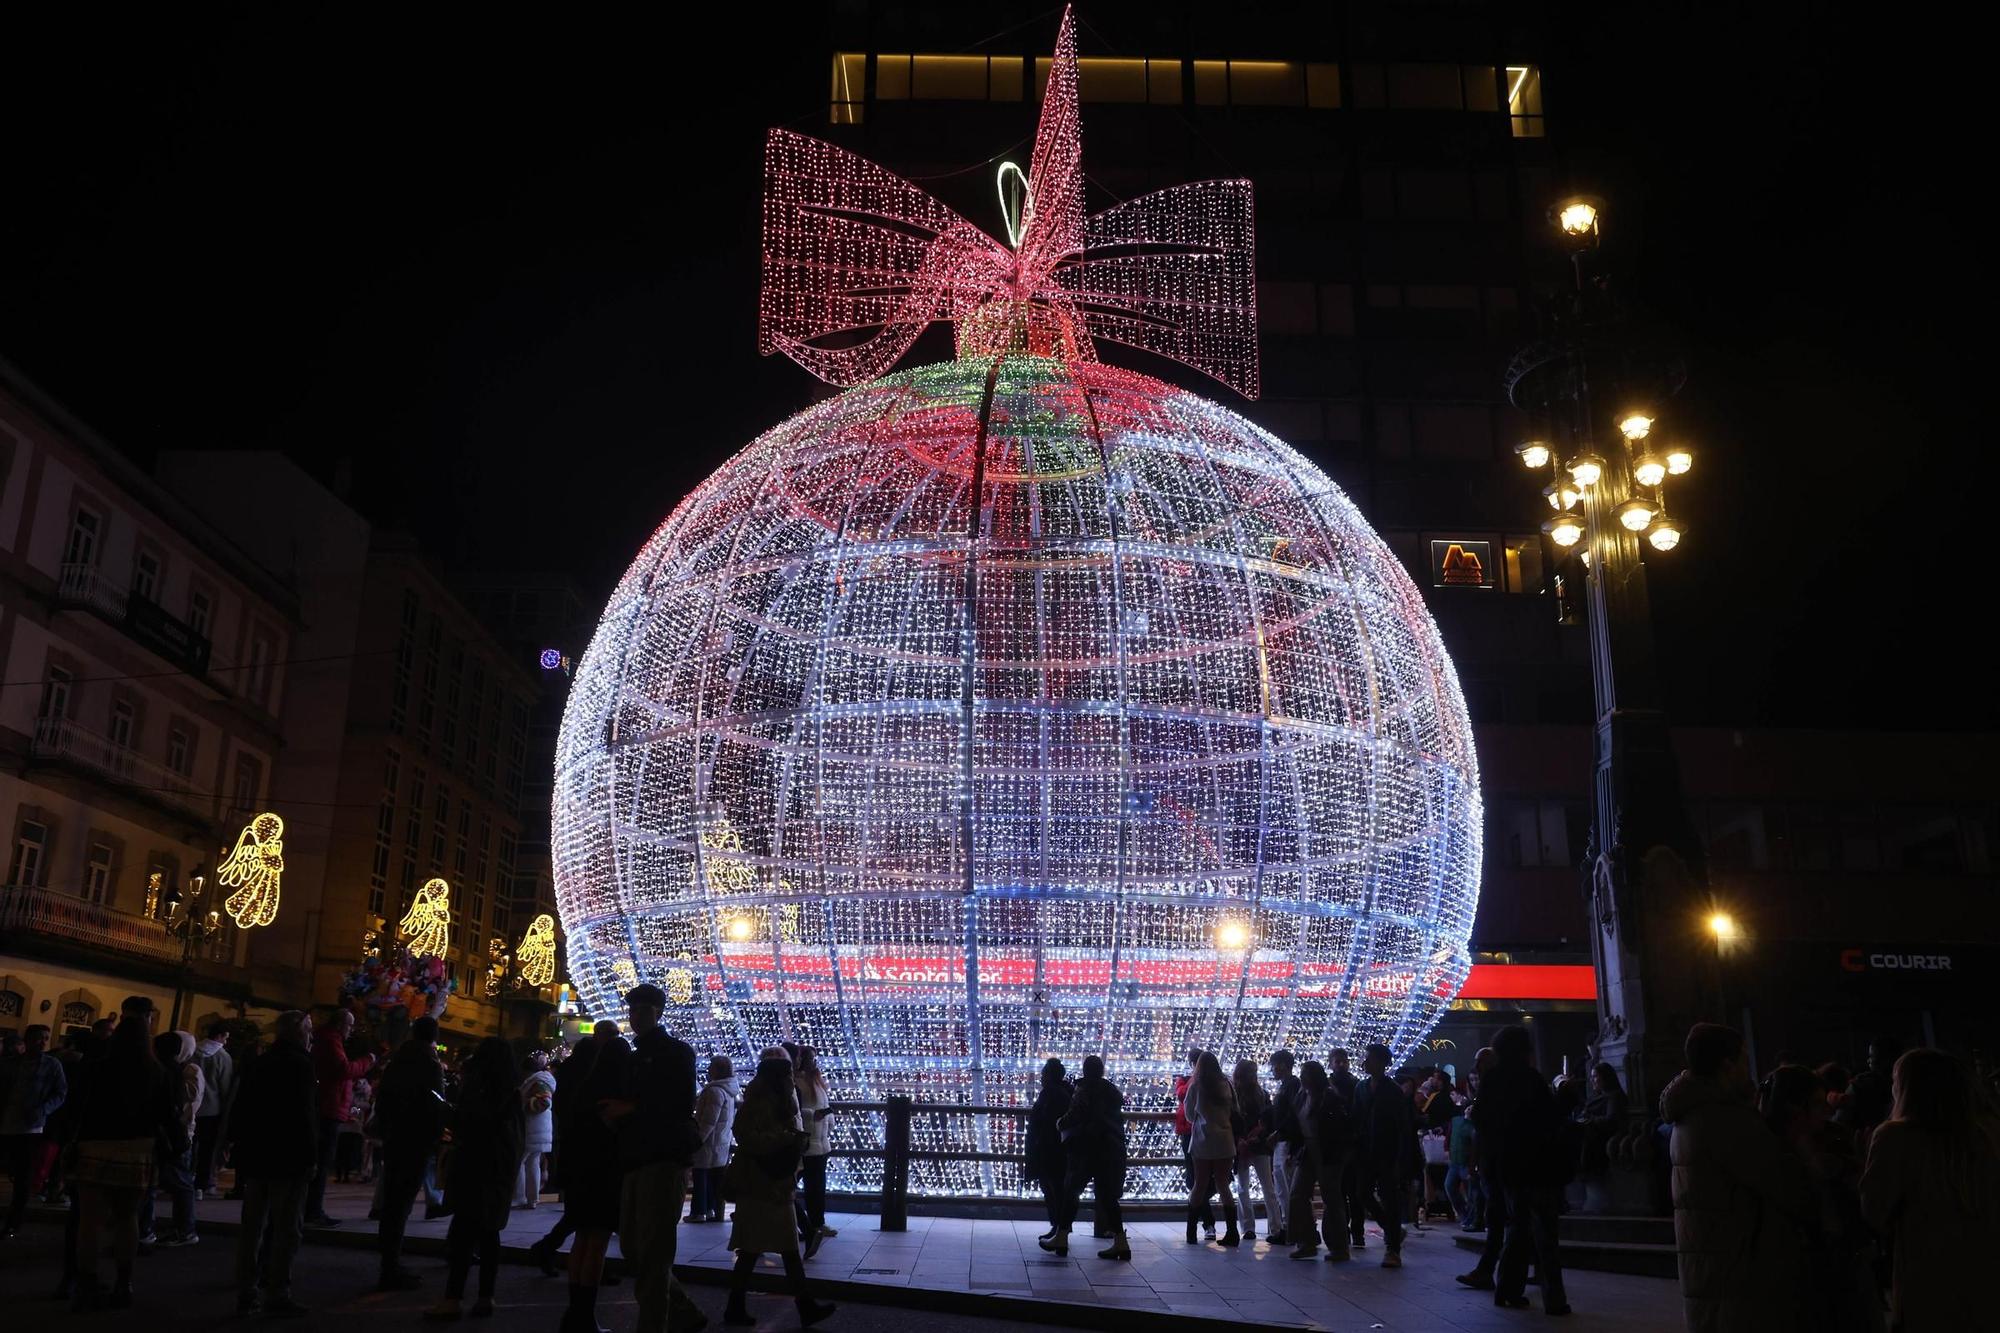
(897, 1153)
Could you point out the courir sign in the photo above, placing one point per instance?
(1885, 960)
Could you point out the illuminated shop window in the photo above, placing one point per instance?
(1105, 79)
(1267, 83)
(849, 83)
(1524, 101)
(1004, 75)
(1323, 85)
(948, 78)
(892, 78)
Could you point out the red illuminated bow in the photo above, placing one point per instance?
(858, 262)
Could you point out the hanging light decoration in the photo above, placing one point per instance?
(1561, 495)
(1679, 460)
(963, 718)
(1635, 426)
(1586, 470)
(537, 954)
(427, 925)
(1635, 514)
(1649, 470)
(1534, 454)
(1578, 220)
(1565, 529)
(1664, 534)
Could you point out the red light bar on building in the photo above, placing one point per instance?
(1530, 981)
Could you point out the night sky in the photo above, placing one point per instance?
(508, 272)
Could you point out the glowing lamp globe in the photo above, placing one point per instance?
(1012, 707)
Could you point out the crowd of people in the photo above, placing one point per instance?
(1845, 1202)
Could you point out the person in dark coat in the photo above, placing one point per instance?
(1491, 1200)
(1386, 1151)
(488, 1127)
(656, 1139)
(1354, 1194)
(1047, 1161)
(593, 1178)
(275, 1121)
(1322, 1125)
(1516, 1117)
(409, 1118)
(1093, 1135)
(1284, 1136)
(125, 1104)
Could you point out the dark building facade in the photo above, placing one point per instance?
(1405, 162)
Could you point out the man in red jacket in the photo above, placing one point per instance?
(336, 1074)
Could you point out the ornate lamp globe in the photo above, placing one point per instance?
(1649, 469)
(1665, 534)
(1636, 515)
(1534, 454)
(1021, 706)
(1679, 460)
(1586, 470)
(1565, 529)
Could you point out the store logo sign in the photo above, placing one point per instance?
(1862, 960)
(1461, 564)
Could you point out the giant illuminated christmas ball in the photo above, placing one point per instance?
(1012, 707)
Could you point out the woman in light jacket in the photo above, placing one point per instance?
(538, 1099)
(814, 1099)
(1209, 1104)
(714, 1118)
(763, 1182)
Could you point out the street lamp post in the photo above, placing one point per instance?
(1596, 385)
(194, 924)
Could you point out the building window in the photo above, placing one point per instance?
(260, 667)
(1923, 839)
(122, 719)
(201, 612)
(31, 844)
(850, 83)
(1524, 101)
(1323, 85)
(56, 692)
(508, 843)
(249, 780)
(84, 531)
(1737, 838)
(442, 821)
(461, 848)
(180, 754)
(392, 770)
(1523, 556)
(482, 851)
(97, 873)
(146, 577)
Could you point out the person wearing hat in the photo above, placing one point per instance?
(656, 1140)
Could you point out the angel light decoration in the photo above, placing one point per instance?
(426, 926)
(1017, 705)
(537, 954)
(253, 868)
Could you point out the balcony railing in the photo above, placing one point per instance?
(84, 585)
(60, 738)
(29, 910)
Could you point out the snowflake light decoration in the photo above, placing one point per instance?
(1015, 706)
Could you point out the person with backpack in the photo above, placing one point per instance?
(1385, 1148)
(1093, 1133)
(173, 1155)
(1322, 1129)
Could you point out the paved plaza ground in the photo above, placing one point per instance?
(964, 1273)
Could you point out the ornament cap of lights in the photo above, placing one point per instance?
(1665, 534)
(1679, 459)
(1586, 470)
(1649, 469)
(1534, 454)
(995, 843)
(1636, 515)
(1635, 426)
(1565, 529)
(1578, 217)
